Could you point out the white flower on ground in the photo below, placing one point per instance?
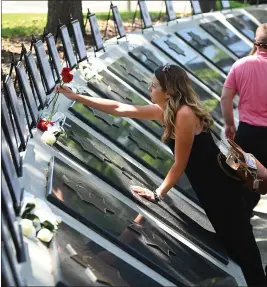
(45, 235)
(27, 228)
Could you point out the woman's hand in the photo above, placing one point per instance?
(144, 192)
(67, 92)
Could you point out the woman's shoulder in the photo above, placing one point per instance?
(185, 113)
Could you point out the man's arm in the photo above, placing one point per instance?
(228, 95)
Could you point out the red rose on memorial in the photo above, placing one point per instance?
(67, 77)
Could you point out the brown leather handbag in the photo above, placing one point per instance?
(247, 168)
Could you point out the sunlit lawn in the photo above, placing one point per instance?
(21, 25)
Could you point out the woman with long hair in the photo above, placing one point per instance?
(187, 132)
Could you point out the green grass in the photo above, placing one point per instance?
(21, 25)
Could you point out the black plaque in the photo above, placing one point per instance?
(98, 41)
(186, 56)
(78, 40)
(259, 14)
(121, 174)
(118, 21)
(211, 103)
(11, 137)
(27, 93)
(244, 24)
(133, 233)
(201, 41)
(130, 139)
(52, 50)
(128, 72)
(13, 103)
(170, 10)
(145, 14)
(36, 79)
(123, 134)
(225, 4)
(195, 7)
(146, 57)
(68, 49)
(11, 176)
(12, 223)
(44, 66)
(82, 262)
(111, 88)
(227, 38)
(10, 274)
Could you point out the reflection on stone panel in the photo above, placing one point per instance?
(82, 262)
(226, 37)
(121, 174)
(190, 60)
(128, 72)
(109, 87)
(131, 231)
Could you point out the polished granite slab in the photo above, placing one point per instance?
(243, 24)
(129, 73)
(227, 38)
(149, 60)
(199, 40)
(190, 61)
(131, 231)
(122, 174)
(259, 14)
(132, 141)
(79, 261)
(105, 85)
(146, 57)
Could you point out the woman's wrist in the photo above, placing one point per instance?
(157, 195)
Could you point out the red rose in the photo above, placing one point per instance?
(67, 78)
(65, 71)
(43, 124)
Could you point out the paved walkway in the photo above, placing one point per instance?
(94, 6)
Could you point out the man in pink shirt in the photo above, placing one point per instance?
(248, 77)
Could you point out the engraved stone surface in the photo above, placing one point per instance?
(91, 264)
(199, 40)
(190, 60)
(152, 239)
(127, 71)
(108, 87)
(162, 252)
(146, 57)
(121, 174)
(87, 195)
(212, 104)
(129, 138)
(243, 23)
(259, 14)
(227, 38)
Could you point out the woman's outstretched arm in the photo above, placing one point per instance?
(148, 112)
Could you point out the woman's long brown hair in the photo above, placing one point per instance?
(176, 83)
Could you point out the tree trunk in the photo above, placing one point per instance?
(61, 10)
(207, 5)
